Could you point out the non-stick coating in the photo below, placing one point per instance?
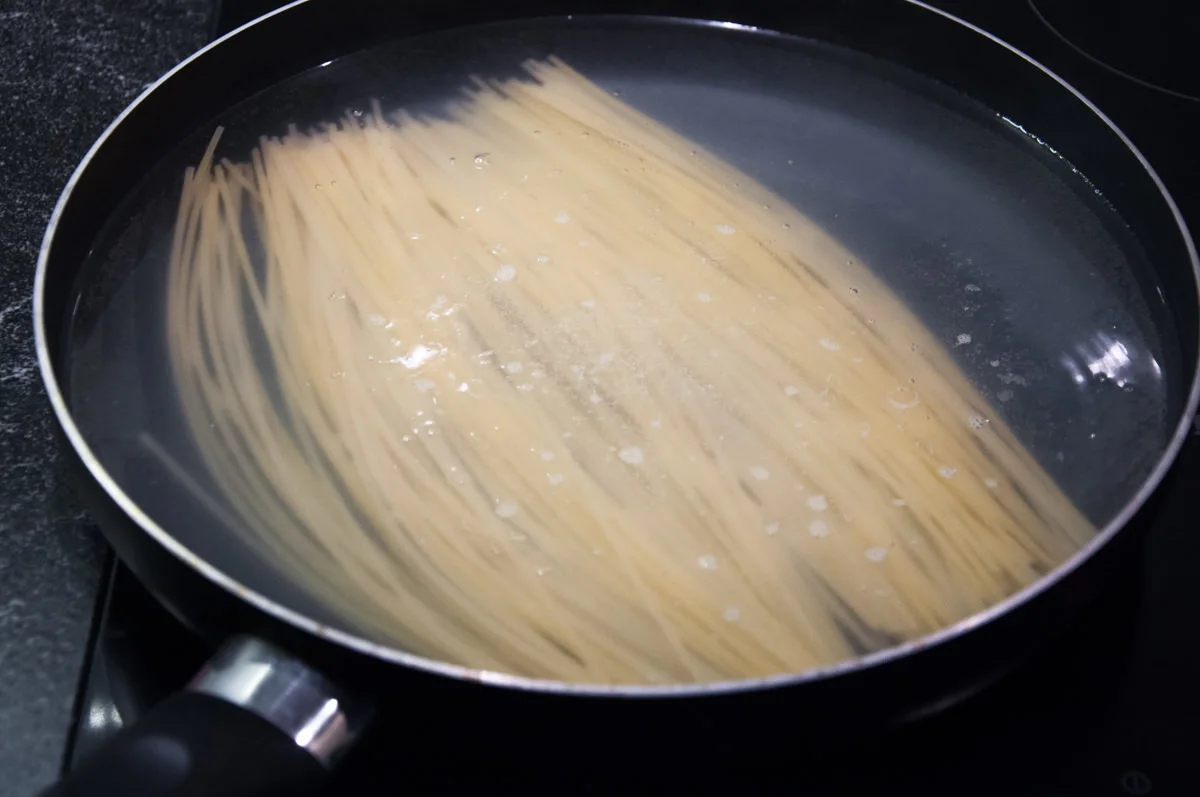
(985, 231)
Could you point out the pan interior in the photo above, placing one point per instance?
(1014, 261)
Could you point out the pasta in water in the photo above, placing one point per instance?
(539, 386)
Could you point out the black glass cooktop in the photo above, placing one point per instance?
(1108, 709)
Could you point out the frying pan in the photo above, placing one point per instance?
(943, 156)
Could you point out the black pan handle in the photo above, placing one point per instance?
(255, 722)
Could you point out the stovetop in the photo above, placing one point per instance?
(1108, 709)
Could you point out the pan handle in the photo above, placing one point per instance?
(254, 722)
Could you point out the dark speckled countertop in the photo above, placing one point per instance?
(67, 68)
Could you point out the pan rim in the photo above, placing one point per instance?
(388, 654)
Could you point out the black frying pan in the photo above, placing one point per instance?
(942, 156)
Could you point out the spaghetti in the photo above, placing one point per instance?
(539, 386)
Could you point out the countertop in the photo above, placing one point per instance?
(67, 68)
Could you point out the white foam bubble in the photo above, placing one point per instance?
(760, 473)
(732, 614)
(877, 554)
(507, 509)
(817, 503)
(424, 385)
(962, 340)
(829, 344)
(791, 390)
(707, 562)
(417, 356)
(506, 272)
(772, 528)
(631, 455)
(818, 528)
(704, 297)
(947, 472)
(546, 455)
(724, 229)
(555, 479)
(903, 397)
(562, 217)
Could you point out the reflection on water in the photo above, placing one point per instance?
(1106, 357)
